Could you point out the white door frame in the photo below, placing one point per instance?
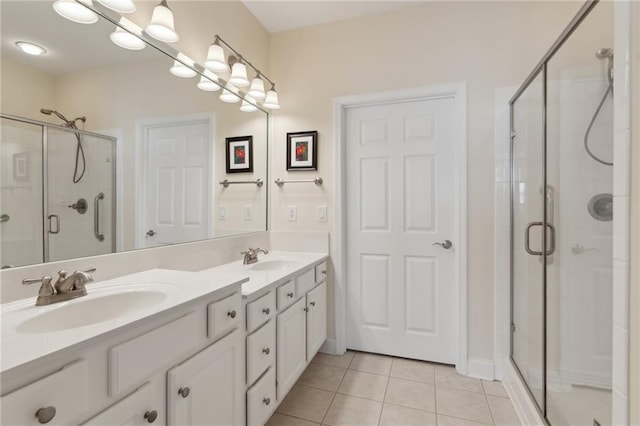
(142, 126)
(457, 91)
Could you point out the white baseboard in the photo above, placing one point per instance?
(329, 347)
(480, 368)
(522, 403)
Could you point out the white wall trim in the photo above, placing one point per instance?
(142, 126)
(328, 347)
(459, 92)
(522, 401)
(481, 368)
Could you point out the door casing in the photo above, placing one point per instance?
(457, 91)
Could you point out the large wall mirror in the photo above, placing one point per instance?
(144, 167)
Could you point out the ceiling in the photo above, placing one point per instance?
(278, 16)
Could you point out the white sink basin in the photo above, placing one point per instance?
(273, 265)
(91, 310)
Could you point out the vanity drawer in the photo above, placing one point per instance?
(286, 295)
(261, 399)
(64, 391)
(131, 410)
(261, 351)
(305, 282)
(321, 272)
(223, 315)
(134, 361)
(260, 311)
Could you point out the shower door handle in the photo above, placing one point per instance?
(96, 217)
(57, 222)
(527, 232)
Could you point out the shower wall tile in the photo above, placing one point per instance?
(622, 162)
(621, 228)
(620, 375)
(620, 294)
(621, 67)
(619, 409)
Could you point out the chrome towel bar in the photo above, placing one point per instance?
(318, 181)
(226, 182)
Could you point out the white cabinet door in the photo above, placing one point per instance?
(207, 389)
(316, 319)
(291, 359)
(137, 409)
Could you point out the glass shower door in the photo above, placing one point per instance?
(80, 195)
(527, 328)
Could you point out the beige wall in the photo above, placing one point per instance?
(486, 44)
(25, 90)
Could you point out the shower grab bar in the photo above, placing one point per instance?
(57, 218)
(318, 181)
(226, 182)
(96, 217)
(527, 246)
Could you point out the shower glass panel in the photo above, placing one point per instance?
(527, 206)
(81, 214)
(21, 226)
(580, 181)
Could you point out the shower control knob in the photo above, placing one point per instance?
(151, 233)
(446, 244)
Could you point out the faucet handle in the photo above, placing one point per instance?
(28, 281)
(46, 289)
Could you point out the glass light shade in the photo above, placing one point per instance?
(75, 11)
(215, 59)
(161, 26)
(239, 75)
(229, 97)
(30, 48)
(122, 6)
(247, 107)
(206, 83)
(126, 39)
(271, 101)
(257, 89)
(179, 70)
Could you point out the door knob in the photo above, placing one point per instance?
(151, 233)
(151, 416)
(445, 245)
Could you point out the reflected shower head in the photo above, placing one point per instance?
(604, 53)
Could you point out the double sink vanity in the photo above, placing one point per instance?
(221, 346)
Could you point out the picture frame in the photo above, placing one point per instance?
(302, 150)
(239, 154)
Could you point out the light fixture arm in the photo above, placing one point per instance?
(219, 40)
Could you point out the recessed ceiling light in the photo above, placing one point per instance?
(30, 48)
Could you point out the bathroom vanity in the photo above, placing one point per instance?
(221, 346)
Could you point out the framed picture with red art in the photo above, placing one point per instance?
(302, 150)
(240, 154)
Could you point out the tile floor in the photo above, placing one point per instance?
(365, 389)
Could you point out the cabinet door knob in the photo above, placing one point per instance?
(266, 401)
(312, 303)
(184, 392)
(266, 311)
(290, 294)
(267, 351)
(231, 314)
(46, 414)
(151, 416)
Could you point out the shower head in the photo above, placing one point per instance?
(67, 123)
(604, 53)
(46, 111)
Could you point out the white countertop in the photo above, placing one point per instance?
(180, 287)
(259, 280)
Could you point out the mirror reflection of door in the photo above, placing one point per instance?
(177, 174)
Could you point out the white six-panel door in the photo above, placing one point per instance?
(400, 201)
(177, 183)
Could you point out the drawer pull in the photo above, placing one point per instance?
(266, 311)
(266, 401)
(266, 351)
(184, 392)
(312, 303)
(46, 414)
(151, 416)
(290, 294)
(231, 314)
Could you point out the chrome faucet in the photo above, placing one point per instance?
(251, 255)
(67, 286)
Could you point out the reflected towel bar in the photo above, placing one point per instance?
(226, 183)
(318, 181)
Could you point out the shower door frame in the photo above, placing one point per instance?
(539, 69)
(45, 177)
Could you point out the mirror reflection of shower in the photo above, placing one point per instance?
(79, 149)
(602, 54)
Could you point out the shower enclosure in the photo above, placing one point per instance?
(47, 211)
(561, 230)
